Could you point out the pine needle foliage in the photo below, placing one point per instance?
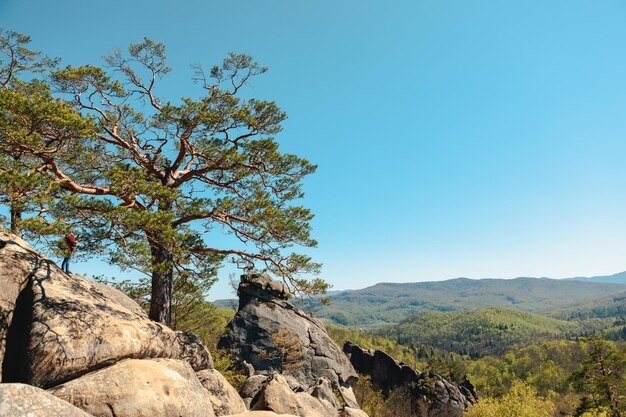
(168, 187)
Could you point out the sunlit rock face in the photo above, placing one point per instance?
(90, 345)
(137, 388)
(26, 400)
(96, 353)
(64, 326)
(263, 311)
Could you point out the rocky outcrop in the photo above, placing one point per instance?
(137, 388)
(431, 395)
(263, 311)
(222, 395)
(94, 349)
(260, 287)
(65, 326)
(252, 387)
(25, 400)
(323, 391)
(99, 355)
(278, 396)
(321, 384)
(17, 261)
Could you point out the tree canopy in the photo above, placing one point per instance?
(168, 188)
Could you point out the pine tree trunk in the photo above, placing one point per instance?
(162, 277)
(16, 218)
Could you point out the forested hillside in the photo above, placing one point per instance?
(387, 303)
(554, 374)
(489, 331)
(605, 307)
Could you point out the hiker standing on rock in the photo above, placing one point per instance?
(69, 244)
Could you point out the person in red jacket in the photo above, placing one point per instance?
(70, 245)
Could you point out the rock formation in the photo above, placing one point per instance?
(263, 311)
(63, 326)
(431, 395)
(225, 398)
(96, 353)
(139, 387)
(26, 400)
(321, 386)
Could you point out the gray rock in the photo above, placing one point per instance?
(352, 412)
(17, 261)
(262, 287)
(431, 395)
(224, 397)
(65, 326)
(139, 388)
(323, 391)
(252, 387)
(278, 397)
(309, 406)
(263, 312)
(348, 397)
(25, 400)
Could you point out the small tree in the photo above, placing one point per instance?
(288, 351)
(602, 376)
(520, 401)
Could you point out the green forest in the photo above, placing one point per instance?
(544, 378)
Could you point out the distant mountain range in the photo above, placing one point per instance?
(619, 278)
(389, 303)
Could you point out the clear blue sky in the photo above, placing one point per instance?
(453, 138)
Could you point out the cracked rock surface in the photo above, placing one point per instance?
(26, 400)
(63, 326)
(263, 311)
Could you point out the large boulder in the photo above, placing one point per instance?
(261, 287)
(98, 353)
(25, 400)
(323, 392)
(139, 388)
(278, 396)
(434, 396)
(222, 395)
(65, 326)
(17, 260)
(252, 387)
(263, 311)
(430, 394)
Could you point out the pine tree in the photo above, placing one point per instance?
(602, 376)
(167, 188)
(288, 351)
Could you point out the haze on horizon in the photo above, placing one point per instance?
(474, 139)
